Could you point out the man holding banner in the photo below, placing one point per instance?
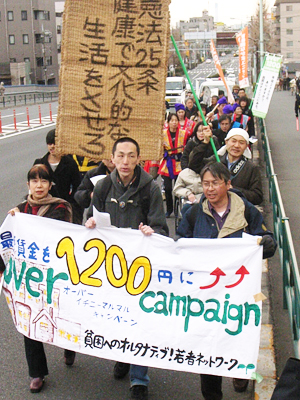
(222, 213)
(133, 200)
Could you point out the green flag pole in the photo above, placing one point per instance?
(195, 96)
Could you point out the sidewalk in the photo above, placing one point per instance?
(266, 359)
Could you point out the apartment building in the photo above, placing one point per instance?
(28, 34)
(197, 24)
(287, 29)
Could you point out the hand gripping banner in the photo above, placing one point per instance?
(193, 305)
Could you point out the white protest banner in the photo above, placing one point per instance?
(114, 293)
(266, 85)
(242, 41)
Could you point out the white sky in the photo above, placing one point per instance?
(238, 10)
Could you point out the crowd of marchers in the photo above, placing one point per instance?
(206, 166)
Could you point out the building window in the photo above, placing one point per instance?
(12, 60)
(49, 60)
(24, 15)
(289, 31)
(10, 15)
(40, 61)
(11, 39)
(25, 39)
(58, 29)
(289, 20)
(26, 59)
(289, 43)
(289, 8)
(289, 55)
(38, 38)
(38, 14)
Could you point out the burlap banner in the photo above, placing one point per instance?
(112, 77)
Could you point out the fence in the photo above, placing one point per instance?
(282, 231)
(24, 98)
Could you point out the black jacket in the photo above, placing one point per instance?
(66, 177)
(193, 142)
(83, 193)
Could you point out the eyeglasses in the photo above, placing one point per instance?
(214, 184)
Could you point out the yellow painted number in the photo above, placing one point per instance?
(85, 276)
(140, 262)
(66, 247)
(111, 252)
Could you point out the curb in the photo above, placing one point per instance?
(266, 366)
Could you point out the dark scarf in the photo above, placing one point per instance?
(45, 203)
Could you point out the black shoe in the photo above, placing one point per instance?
(139, 392)
(121, 370)
(69, 357)
(36, 384)
(168, 214)
(240, 385)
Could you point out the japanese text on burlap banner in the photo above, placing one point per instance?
(266, 85)
(190, 305)
(113, 75)
(242, 41)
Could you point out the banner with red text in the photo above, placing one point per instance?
(193, 305)
(218, 65)
(242, 41)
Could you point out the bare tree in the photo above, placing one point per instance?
(270, 43)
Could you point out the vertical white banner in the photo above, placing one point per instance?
(266, 85)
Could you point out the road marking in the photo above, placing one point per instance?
(22, 127)
(27, 130)
(7, 116)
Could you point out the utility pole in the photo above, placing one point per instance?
(261, 34)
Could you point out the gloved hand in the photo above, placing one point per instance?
(269, 246)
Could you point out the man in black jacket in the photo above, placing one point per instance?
(64, 174)
(133, 200)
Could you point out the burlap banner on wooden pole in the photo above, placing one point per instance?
(112, 77)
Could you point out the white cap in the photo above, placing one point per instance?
(238, 131)
(235, 132)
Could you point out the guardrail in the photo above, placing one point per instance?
(282, 232)
(24, 98)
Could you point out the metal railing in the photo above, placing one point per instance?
(282, 232)
(24, 98)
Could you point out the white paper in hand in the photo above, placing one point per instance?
(102, 218)
(95, 179)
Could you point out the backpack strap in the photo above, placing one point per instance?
(144, 194)
(192, 216)
(105, 188)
